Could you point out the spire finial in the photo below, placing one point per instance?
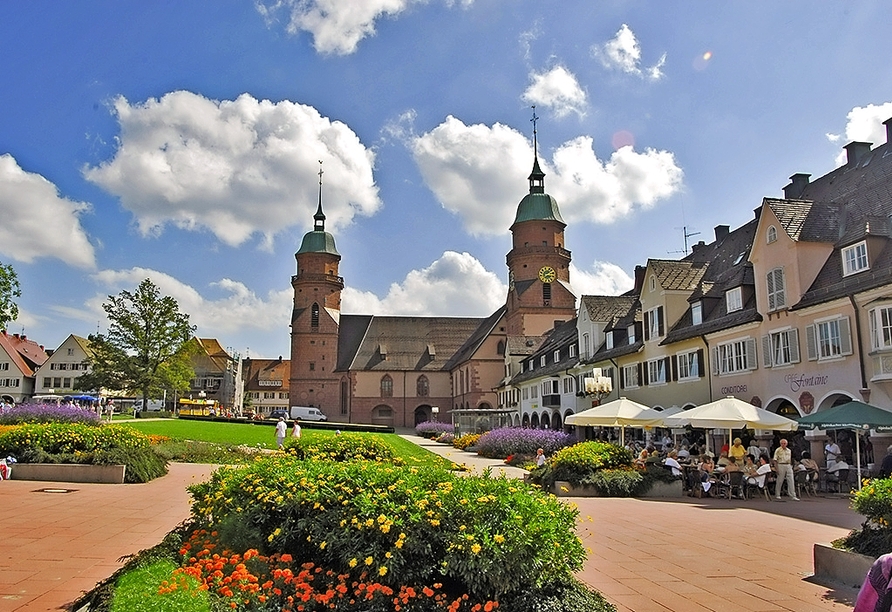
(319, 217)
(535, 140)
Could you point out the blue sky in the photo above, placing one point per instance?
(181, 141)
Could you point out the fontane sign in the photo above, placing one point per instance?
(798, 382)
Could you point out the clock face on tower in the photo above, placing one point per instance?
(546, 274)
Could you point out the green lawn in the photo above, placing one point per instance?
(265, 436)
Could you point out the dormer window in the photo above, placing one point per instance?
(542, 361)
(631, 331)
(734, 299)
(854, 258)
(696, 313)
(771, 235)
(557, 356)
(609, 340)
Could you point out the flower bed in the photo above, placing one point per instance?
(499, 443)
(432, 429)
(874, 501)
(466, 441)
(48, 413)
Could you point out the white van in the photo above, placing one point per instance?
(154, 405)
(307, 413)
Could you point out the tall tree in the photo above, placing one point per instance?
(9, 291)
(146, 347)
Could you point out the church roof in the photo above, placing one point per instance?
(482, 332)
(318, 242)
(368, 342)
(537, 207)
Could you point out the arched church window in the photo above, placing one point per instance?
(422, 386)
(386, 386)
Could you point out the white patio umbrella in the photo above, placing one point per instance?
(731, 413)
(621, 413)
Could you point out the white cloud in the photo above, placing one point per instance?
(37, 222)
(456, 284)
(337, 26)
(604, 278)
(479, 173)
(236, 309)
(623, 53)
(558, 90)
(235, 168)
(864, 124)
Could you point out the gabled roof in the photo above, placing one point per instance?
(26, 354)
(258, 370)
(805, 220)
(467, 350)
(561, 337)
(607, 308)
(215, 352)
(675, 275)
(367, 342)
(84, 344)
(523, 345)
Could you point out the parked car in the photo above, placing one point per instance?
(307, 413)
(275, 414)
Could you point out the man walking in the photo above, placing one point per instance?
(783, 459)
(281, 428)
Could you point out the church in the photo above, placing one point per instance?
(403, 370)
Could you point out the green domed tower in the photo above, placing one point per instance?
(315, 318)
(539, 291)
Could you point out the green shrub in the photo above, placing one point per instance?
(482, 536)
(874, 501)
(61, 438)
(578, 463)
(569, 596)
(345, 447)
(622, 482)
(466, 441)
(138, 591)
(196, 451)
(143, 464)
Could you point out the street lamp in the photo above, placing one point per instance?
(435, 410)
(597, 385)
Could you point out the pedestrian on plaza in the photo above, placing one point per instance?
(540, 457)
(886, 465)
(281, 428)
(295, 431)
(783, 459)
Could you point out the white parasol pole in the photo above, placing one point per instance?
(858, 453)
(622, 435)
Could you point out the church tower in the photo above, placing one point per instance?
(314, 320)
(538, 264)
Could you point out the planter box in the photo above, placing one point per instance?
(838, 566)
(563, 488)
(69, 472)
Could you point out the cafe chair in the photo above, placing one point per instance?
(735, 485)
(751, 489)
(804, 483)
(838, 481)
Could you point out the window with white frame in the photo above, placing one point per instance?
(630, 376)
(631, 331)
(653, 283)
(572, 351)
(569, 384)
(534, 392)
(880, 319)
(771, 234)
(557, 356)
(734, 299)
(696, 313)
(828, 339)
(608, 338)
(656, 372)
(780, 348)
(4, 366)
(585, 346)
(526, 393)
(854, 258)
(542, 361)
(776, 289)
(688, 365)
(733, 357)
(551, 387)
(653, 323)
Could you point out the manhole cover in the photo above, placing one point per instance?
(51, 490)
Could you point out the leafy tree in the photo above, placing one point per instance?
(146, 347)
(9, 290)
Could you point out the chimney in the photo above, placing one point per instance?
(855, 151)
(639, 277)
(700, 244)
(888, 124)
(721, 231)
(798, 183)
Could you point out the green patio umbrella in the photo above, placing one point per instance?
(853, 415)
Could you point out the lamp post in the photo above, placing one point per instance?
(435, 410)
(597, 386)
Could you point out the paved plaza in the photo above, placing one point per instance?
(684, 555)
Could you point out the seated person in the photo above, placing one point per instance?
(761, 472)
(641, 461)
(732, 466)
(749, 466)
(672, 463)
(807, 464)
(839, 464)
(683, 453)
(754, 450)
(723, 459)
(707, 476)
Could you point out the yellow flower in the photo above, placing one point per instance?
(369, 560)
(353, 562)
(475, 548)
(498, 538)
(382, 570)
(323, 545)
(398, 544)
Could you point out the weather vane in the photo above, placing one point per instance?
(534, 119)
(320, 173)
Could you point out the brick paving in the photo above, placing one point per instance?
(682, 555)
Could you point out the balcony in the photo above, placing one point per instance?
(551, 401)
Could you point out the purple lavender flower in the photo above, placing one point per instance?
(432, 429)
(499, 443)
(48, 413)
